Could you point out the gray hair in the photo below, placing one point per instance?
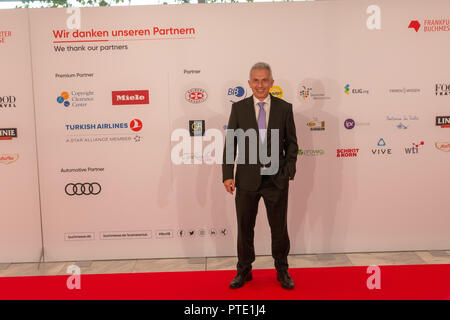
(261, 65)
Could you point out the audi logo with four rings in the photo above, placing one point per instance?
(79, 189)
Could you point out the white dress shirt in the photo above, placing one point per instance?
(266, 108)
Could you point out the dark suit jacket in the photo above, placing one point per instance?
(248, 176)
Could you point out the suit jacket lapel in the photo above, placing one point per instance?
(252, 113)
(272, 112)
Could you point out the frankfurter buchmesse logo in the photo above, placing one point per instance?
(431, 25)
(8, 133)
(414, 24)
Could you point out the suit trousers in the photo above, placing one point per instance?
(276, 201)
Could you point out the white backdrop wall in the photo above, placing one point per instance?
(20, 223)
(327, 60)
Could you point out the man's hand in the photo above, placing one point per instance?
(229, 185)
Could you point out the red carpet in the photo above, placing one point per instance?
(397, 282)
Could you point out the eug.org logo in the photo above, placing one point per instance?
(196, 95)
(80, 189)
(276, 91)
(237, 93)
(443, 121)
(355, 91)
(8, 133)
(197, 127)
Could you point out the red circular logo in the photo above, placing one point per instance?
(136, 125)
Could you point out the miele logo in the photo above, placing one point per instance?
(120, 98)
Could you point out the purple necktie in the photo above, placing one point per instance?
(262, 121)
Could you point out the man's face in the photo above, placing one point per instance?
(260, 82)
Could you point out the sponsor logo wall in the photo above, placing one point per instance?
(20, 227)
(367, 122)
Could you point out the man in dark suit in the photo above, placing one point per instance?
(272, 120)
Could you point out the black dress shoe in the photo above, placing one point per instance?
(285, 279)
(240, 279)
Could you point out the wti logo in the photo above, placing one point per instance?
(130, 97)
(196, 95)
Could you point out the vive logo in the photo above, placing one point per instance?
(381, 151)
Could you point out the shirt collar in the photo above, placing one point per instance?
(266, 100)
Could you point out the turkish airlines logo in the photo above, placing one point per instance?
(136, 125)
(414, 24)
(121, 98)
(8, 158)
(196, 95)
(79, 189)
